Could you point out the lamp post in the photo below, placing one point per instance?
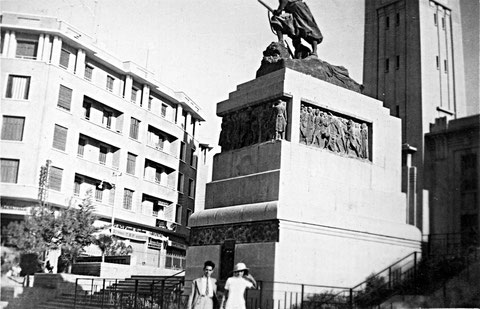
(114, 186)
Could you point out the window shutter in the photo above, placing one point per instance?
(64, 97)
(55, 178)
(12, 128)
(60, 137)
(131, 163)
(64, 59)
(26, 49)
(9, 170)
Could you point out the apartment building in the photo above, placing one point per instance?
(106, 128)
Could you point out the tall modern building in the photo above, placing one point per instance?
(106, 128)
(414, 63)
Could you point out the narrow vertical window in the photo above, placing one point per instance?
(55, 178)
(127, 199)
(76, 186)
(387, 22)
(86, 110)
(164, 110)
(107, 118)
(64, 98)
(88, 72)
(182, 151)
(387, 65)
(133, 97)
(437, 63)
(9, 170)
(435, 21)
(98, 194)
(81, 147)
(150, 99)
(180, 182)
(12, 128)
(191, 187)
(64, 58)
(18, 87)
(443, 22)
(102, 157)
(445, 65)
(131, 160)
(397, 19)
(134, 128)
(397, 62)
(110, 81)
(60, 137)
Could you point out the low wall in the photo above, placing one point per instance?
(118, 271)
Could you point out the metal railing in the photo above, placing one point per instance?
(132, 293)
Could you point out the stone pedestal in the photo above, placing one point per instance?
(326, 211)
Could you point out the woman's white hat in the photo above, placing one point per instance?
(240, 267)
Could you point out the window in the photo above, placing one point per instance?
(76, 186)
(435, 22)
(191, 187)
(64, 58)
(387, 22)
(64, 97)
(110, 81)
(445, 65)
(397, 62)
(193, 158)
(443, 22)
(127, 199)
(193, 126)
(12, 128)
(102, 158)
(131, 159)
(86, 110)
(107, 118)
(133, 98)
(55, 178)
(178, 214)
(180, 182)
(189, 214)
(9, 170)
(88, 72)
(150, 99)
(60, 137)
(81, 147)
(397, 19)
(182, 151)
(98, 194)
(184, 124)
(164, 110)
(134, 128)
(26, 49)
(18, 87)
(438, 63)
(158, 175)
(387, 65)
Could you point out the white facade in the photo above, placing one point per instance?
(106, 126)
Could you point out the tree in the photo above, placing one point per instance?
(45, 229)
(76, 230)
(110, 246)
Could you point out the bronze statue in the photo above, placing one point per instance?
(298, 23)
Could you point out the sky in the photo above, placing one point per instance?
(204, 48)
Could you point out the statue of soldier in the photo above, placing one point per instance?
(298, 24)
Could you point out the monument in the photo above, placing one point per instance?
(307, 187)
